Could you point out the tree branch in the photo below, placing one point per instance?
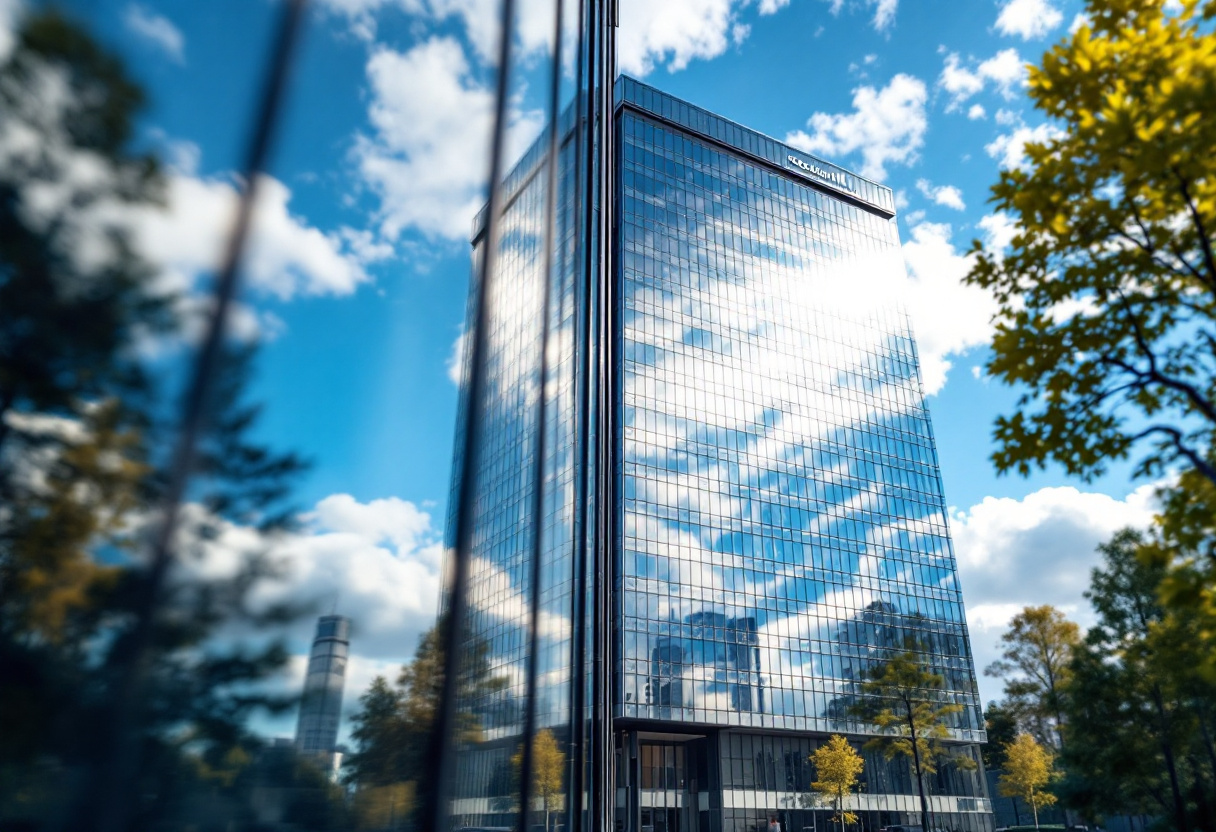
(1151, 249)
(1194, 457)
(1208, 258)
(1201, 402)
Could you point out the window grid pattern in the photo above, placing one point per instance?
(782, 521)
(492, 704)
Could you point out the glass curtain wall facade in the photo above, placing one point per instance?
(773, 518)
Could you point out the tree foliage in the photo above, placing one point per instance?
(548, 771)
(1002, 727)
(392, 728)
(1107, 296)
(85, 435)
(1140, 716)
(1027, 773)
(905, 700)
(1037, 649)
(837, 767)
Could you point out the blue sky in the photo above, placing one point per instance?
(359, 272)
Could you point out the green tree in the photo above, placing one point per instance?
(1028, 771)
(548, 770)
(1002, 727)
(1107, 296)
(837, 766)
(392, 728)
(1140, 712)
(380, 736)
(1038, 647)
(84, 445)
(905, 699)
(68, 321)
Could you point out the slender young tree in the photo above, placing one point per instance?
(1034, 664)
(548, 775)
(837, 766)
(1028, 771)
(905, 699)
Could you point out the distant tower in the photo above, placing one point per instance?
(321, 706)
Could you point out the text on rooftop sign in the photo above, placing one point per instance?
(834, 177)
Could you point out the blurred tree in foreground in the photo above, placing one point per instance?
(1140, 715)
(1034, 664)
(85, 433)
(904, 698)
(1108, 293)
(837, 767)
(1028, 771)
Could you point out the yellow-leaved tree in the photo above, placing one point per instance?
(837, 766)
(548, 769)
(1028, 770)
(1106, 295)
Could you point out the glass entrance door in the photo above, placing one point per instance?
(665, 801)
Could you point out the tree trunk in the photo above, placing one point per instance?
(1207, 743)
(1167, 749)
(1034, 806)
(920, 779)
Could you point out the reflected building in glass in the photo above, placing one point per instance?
(741, 489)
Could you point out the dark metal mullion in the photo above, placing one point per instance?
(606, 428)
(538, 470)
(583, 398)
(115, 799)
(442, 749)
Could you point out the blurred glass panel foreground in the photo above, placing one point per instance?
(695, 497)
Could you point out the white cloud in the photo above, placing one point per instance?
(455, 363)
(377, 562)
(884, 11)
(1077, 22)
(948, 318)
(426, 155)
(676, 32)
(183, 238)
(1028, 19)
(976, 112)
(286, 258)
(1036, 550)
(947, 195)
(886, 126)
(1006, 118)
(999, 230)
(1009, 149)
(157, 30)
(1005, 70)
(479, 18)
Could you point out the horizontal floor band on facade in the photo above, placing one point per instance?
(764, 800)
(910, 803)
(758, 800)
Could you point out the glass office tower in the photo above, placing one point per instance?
(764, 492)
(321, 704)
